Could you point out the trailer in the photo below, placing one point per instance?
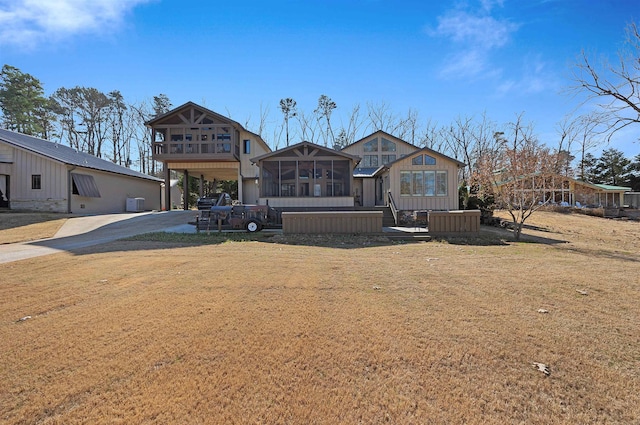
(223, 216)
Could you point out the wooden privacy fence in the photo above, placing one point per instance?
(465, 222)
(361, 222)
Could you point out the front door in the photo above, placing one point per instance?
(357, 192)
(379, 191)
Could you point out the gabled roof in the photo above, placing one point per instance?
(66, 155)
(188, 105)
(596, 186)
(430, 152)
(418, 149)
(381, 133)
(308, 144)
(158, 119)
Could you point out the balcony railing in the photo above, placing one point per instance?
(221, 150)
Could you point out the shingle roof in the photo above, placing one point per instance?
(67, 155)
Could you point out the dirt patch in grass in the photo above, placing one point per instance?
(278, 331)
(28, 226)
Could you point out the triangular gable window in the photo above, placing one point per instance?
(423, 160)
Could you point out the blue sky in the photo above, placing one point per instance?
(443, 59)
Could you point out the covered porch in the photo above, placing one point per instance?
(204, 172)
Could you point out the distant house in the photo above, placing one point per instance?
(632, 199)
(563, 190)
(39, 175)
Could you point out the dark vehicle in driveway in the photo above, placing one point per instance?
(218, 199)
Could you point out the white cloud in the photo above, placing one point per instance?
(468, 64)
(474, 35)
(27, 23)
(481, 31)
(535, 79)
(488, 4)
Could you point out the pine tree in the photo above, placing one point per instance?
(24, 107)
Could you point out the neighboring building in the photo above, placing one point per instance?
(566, 191)
(632, 199)
(36, 174)
(203, 144)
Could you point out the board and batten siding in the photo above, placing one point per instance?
(247, 168)
(6, 154)
(114, 191)
(418, 203)
(52, 196)
(250, 192)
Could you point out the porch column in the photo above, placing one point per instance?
(185, 191)
(240, 187)
(167, 189)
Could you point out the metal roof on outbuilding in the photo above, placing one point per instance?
(613, 188)
(67, 155)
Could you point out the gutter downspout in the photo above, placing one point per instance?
(69, 189)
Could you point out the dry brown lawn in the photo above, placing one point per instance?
(279, 331)
(24, 227)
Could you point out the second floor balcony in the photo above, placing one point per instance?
(225, 150)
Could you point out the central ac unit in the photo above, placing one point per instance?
(135, 204)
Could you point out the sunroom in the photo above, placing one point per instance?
(306, 175)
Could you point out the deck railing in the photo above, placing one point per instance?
(393, 207)
(187, 149)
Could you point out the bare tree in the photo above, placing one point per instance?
(408, 127)
(617, 87)
(351, 131)
(431, 136)
(588, 136)
(119, 121)
(461, 141)
(141, 113)
(82, 113)
(515, 171)
(262, 122)
(324, 110)
(308, 127)
(381, 117)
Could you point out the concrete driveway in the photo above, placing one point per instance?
(81, 232)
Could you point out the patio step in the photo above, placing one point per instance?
(406, 236)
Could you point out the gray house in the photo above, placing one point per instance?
(39, 175)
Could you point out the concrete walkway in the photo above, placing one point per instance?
(81, 232)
